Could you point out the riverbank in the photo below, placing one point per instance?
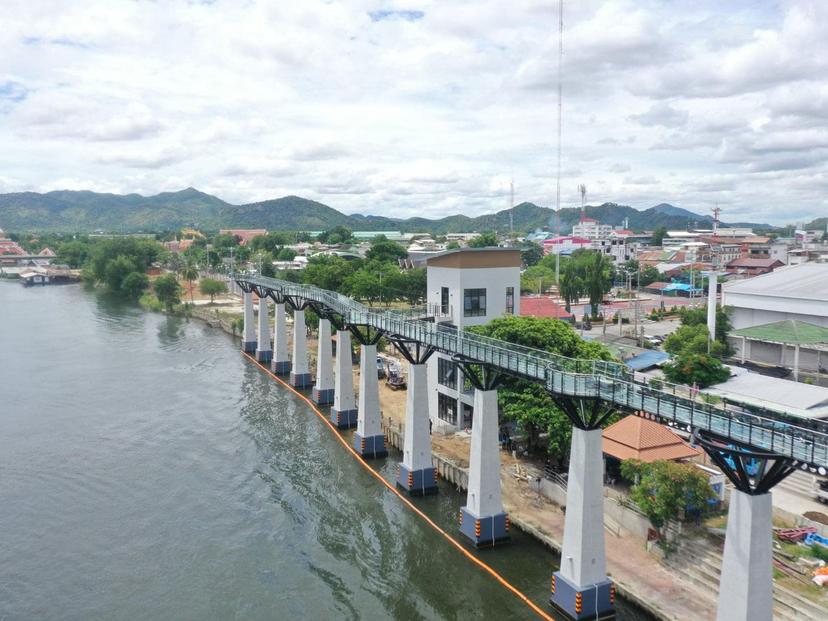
(639, 576)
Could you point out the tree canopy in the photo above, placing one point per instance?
(484, 240)
(527, 403)
(663, 488)
(699, 369)
(167, 290)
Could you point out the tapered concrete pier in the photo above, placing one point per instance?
(369, 441)
(263, 350)
(417, 475)
(281, 362)
(300, 376)
(581, 588)
(249, 330)
(323, 390)
(483, 520)
(746, 587)
(344, 410)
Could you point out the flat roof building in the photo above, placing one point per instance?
(467, 287)
(798, 292)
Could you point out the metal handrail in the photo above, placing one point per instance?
(610, 381)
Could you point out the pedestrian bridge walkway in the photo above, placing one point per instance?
(611, 382)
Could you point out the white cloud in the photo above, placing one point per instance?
(422, 107)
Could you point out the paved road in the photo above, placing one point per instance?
(795, 494)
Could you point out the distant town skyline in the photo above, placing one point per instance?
(423, 108)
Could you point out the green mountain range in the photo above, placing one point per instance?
(72, 211)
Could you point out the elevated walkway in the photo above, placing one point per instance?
(609, 381)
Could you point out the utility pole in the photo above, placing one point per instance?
(560, 133)
(638, 323)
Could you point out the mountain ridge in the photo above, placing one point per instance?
(86, 211)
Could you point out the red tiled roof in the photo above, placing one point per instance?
(634, 437)
(658, 286)
(534, 306)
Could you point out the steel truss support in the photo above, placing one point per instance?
(586, 414)
(413, 351)
(746, 584)
(481, 376)
(365, 334)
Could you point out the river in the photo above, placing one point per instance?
(149, 471)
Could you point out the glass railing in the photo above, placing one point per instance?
(610, 381)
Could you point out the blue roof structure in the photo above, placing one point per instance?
(647, 359)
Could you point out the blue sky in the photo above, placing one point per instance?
(424, 107)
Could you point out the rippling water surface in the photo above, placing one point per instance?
(148, 471)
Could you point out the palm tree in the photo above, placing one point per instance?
(190, 273)
(571, 285)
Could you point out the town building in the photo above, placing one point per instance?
(791, 344)
(565, 245)
(797, 292)
(467, 287)
(749, 266)
(590, 228)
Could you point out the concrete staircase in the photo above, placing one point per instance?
(700, 564)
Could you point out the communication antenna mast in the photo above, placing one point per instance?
(512, 207)
(582, 191)
(716, 211)
(560, 133)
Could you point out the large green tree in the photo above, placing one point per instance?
(385, 250)
(484, 240)
(693, 339)
(212, 287)
(116, 271)
(537, 279)
(698, 316)
(699, 369)
(134, 284)
(167, 290)
(658, 236)
(527, 403)
(571, 287)
(329, 272)
(664, 488)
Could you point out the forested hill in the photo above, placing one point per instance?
(73, 211)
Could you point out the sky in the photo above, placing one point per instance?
(423, 107)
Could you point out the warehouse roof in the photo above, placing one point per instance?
(805, 281)
(790, 331)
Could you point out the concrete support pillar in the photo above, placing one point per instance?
(417, 475)
(281, 361)
(796, 362)
(744, 349)
(746, 586)
(249, 330)
(369, 440)
(483, 520)
(263, 351)
(581, 587)
(344, 410)
(713, 280)
(323, 390)
(300, 376)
